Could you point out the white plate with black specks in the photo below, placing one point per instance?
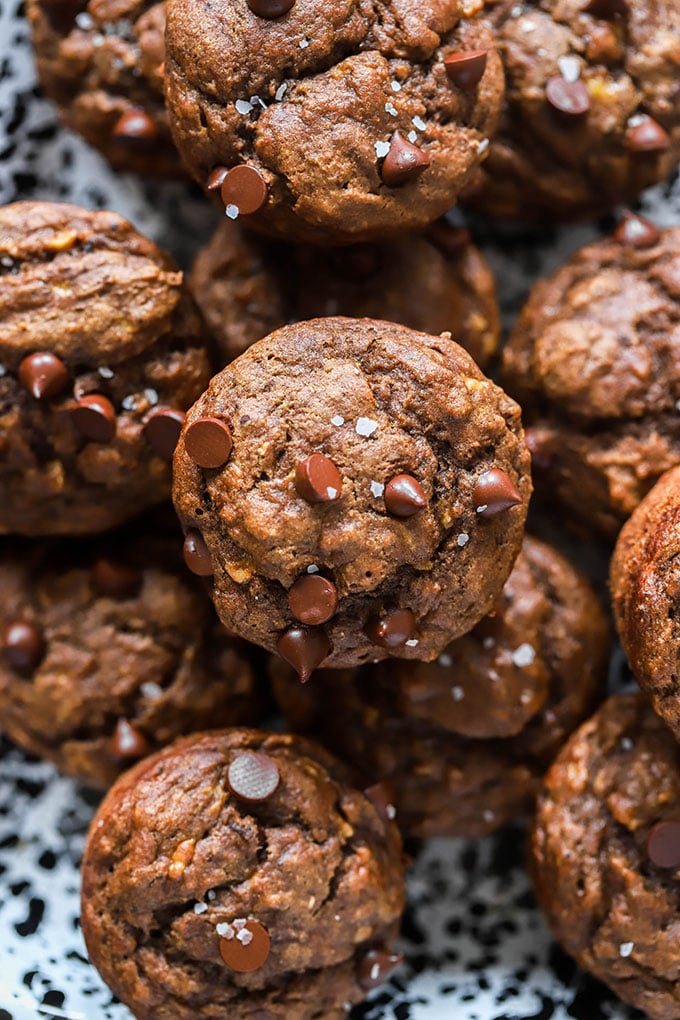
(475, 946)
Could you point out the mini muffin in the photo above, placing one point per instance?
(332, 123)
(238, 874)
(101, 353)
(463, 742)
(102, 62)
(592, 112)
(110, 649)
(606, 853)
(357, 490)
(645, 583)
(594, 360)
(246, 287)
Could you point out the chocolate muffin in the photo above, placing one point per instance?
(102, 63)
(606, 853)
(332, 123)
(357, 490)
(101, 353)
(109, 649)
(594, 362)
(592, 112)
(463, 742)
(247, 286)
(645, 583)
(238, 874)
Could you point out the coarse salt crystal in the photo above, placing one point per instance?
(445, 660)
(365, 427)
(396, 87)
(488, 816)
(391, 109)
(391, 812)
(304, 43)
(84, 21)
(312, 569)
(337, 419)
(483, 145)
(488, 642)
(377, 489)
(105, 372)
(151, 690)
(129, 403)
(626, 948)
(570, 68)
(482, 508)
(232, 212)
(332, 493)
(211, 894)
(225, 930)
(412, 137)
(381, 149)
(412, 642)
(458, 693)
(200, 907)
(245, 937)
(524, 655)
(280, 92)
(151, 396)
(419, 123)
(242, 106)
(463, 539)
(626, 743)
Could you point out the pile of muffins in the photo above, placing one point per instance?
(349, 535)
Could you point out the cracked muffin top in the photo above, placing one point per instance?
(238, 872)
(332, 123)
(356, 489)
(606, 853)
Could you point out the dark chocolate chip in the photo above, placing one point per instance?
(318, 480)
(636, 230)
(404, 496)
(23, 645)
(136, 129)
(244, 944)
(44, 375)
(162, 431)
(569, 97)
(494, 493)
(245, 188)
(252, 776)
(115, 580)
(128, 742)
(313, 599)
(450, 241)
(270, 8)
(94, 416)
(216, 179)
(403, 163)
(376, 967)
(381, 796)
(197, 555)
(646, 135)
(663, 844)
(466, 69)
(606, 8)
(392, 630)
(208, 442)
(304, 649)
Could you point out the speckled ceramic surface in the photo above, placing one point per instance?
(475, 946)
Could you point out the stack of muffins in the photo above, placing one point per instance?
(351, 489)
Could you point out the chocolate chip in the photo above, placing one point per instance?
(197, 555)
(304, 649)
(94, 416)
(162, 431)
(646, 135)
(313, 599)
(403, 163)
(135, 129)
(381, 796)
(23, 645)
(216, 179)
(318, 480)
(606, 8)
(466, 69)
(494, 493)
(208, 442)
(450, 241)
(404, 496)
(44, 375)
(270, 8)
(568, 97)
(663, 844)
(392, 630)
(128, 742)
(253, 777)
(244, 187)
(636, 230)
(115, 580)
(376, 967)
(244, 944)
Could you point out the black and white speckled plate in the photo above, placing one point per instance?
(476, 948)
